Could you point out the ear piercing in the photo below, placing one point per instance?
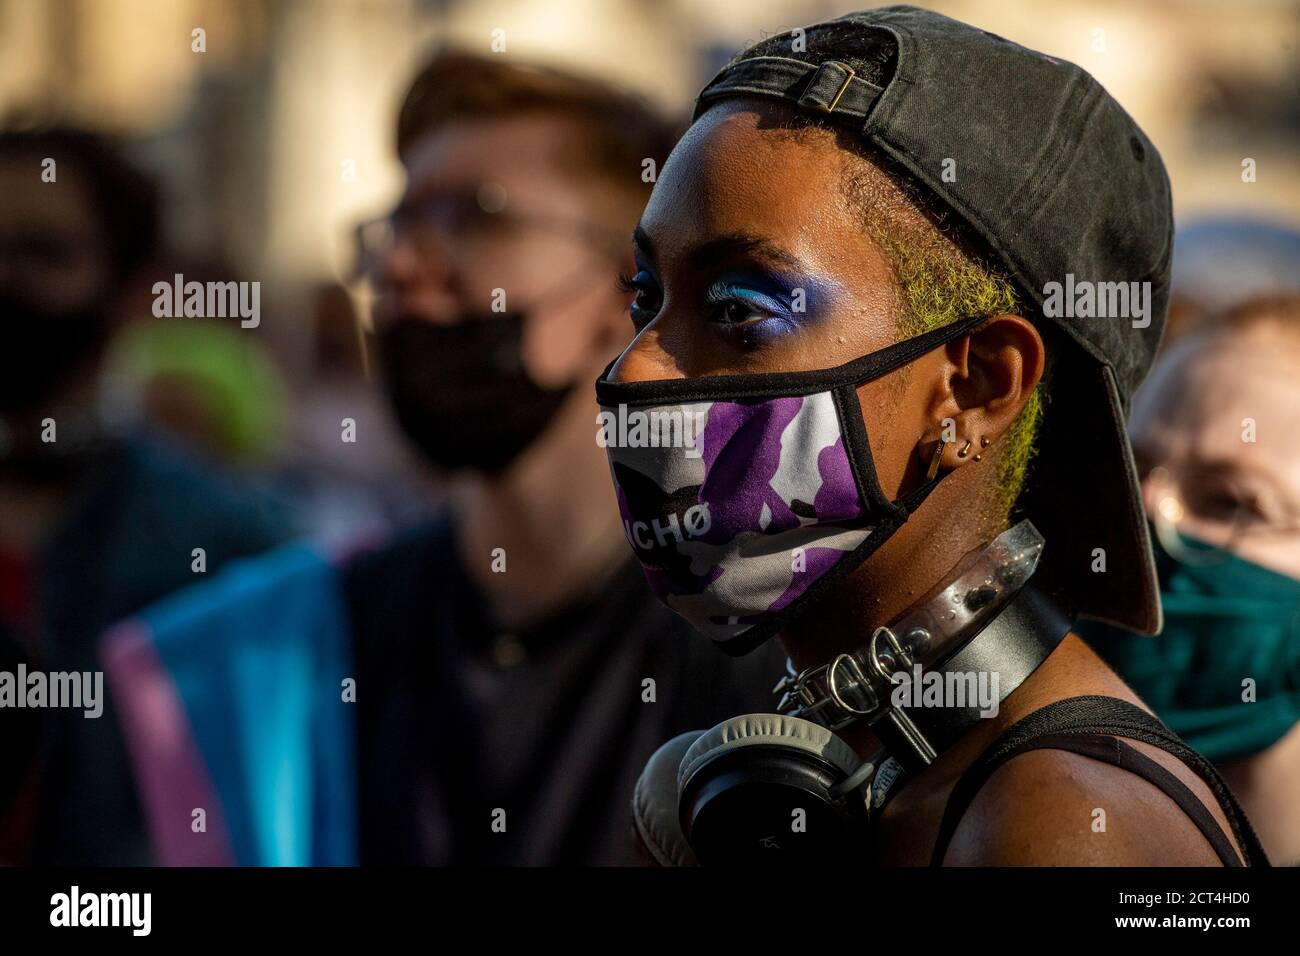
(962, 452)
(934, 462)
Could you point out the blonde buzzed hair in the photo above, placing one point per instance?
(943, 276)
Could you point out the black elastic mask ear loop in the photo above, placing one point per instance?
(854, 429)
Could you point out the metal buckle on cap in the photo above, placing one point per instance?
(824, 72)
(847, 80)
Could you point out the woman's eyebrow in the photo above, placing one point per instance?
(722, 249)
(738, 245)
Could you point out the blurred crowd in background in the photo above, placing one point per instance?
(247, 141)
(265, 150)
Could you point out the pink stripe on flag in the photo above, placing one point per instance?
(169, 769)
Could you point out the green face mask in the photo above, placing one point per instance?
(1225, 672)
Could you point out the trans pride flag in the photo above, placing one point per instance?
(230, 695)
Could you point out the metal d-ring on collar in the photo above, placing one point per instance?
(860, 681)
(855, 686)
(815, 692)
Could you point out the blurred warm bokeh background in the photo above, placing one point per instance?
(270, 127)
(279, 136)
(277, 139)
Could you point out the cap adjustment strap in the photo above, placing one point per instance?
(827, 87)
(832, 87)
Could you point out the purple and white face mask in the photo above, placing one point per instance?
(744, 496)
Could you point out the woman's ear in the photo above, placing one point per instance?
(986, 380)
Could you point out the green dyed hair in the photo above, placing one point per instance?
(939, 288)
(942, 272)
(942, 279)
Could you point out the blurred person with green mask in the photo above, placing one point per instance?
(1213, 436)
(96, 519)
(203, 383)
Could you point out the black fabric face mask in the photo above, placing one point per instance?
(461, 392)
(41, 350)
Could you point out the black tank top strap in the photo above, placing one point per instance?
(1094, 726)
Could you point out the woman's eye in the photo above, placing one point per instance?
(1227, 504)
(737, 313)
(1224, 506)
(646, 297)
(737, 307)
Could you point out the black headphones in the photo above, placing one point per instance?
(777, 788)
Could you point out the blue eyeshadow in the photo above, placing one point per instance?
(787, 301)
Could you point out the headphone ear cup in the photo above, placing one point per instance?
(758, 788)
(654, 805)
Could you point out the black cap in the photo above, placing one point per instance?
(1062, 185)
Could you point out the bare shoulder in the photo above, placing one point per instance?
(1055, 808)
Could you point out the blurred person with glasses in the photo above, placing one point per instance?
(514, 671)
(1213, 432)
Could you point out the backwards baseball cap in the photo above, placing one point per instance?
(1063, 187)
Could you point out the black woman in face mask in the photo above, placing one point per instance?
(1213, 434)
(854, 272)
(510, 644)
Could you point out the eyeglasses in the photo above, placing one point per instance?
(463, 227)
(1212, 504)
